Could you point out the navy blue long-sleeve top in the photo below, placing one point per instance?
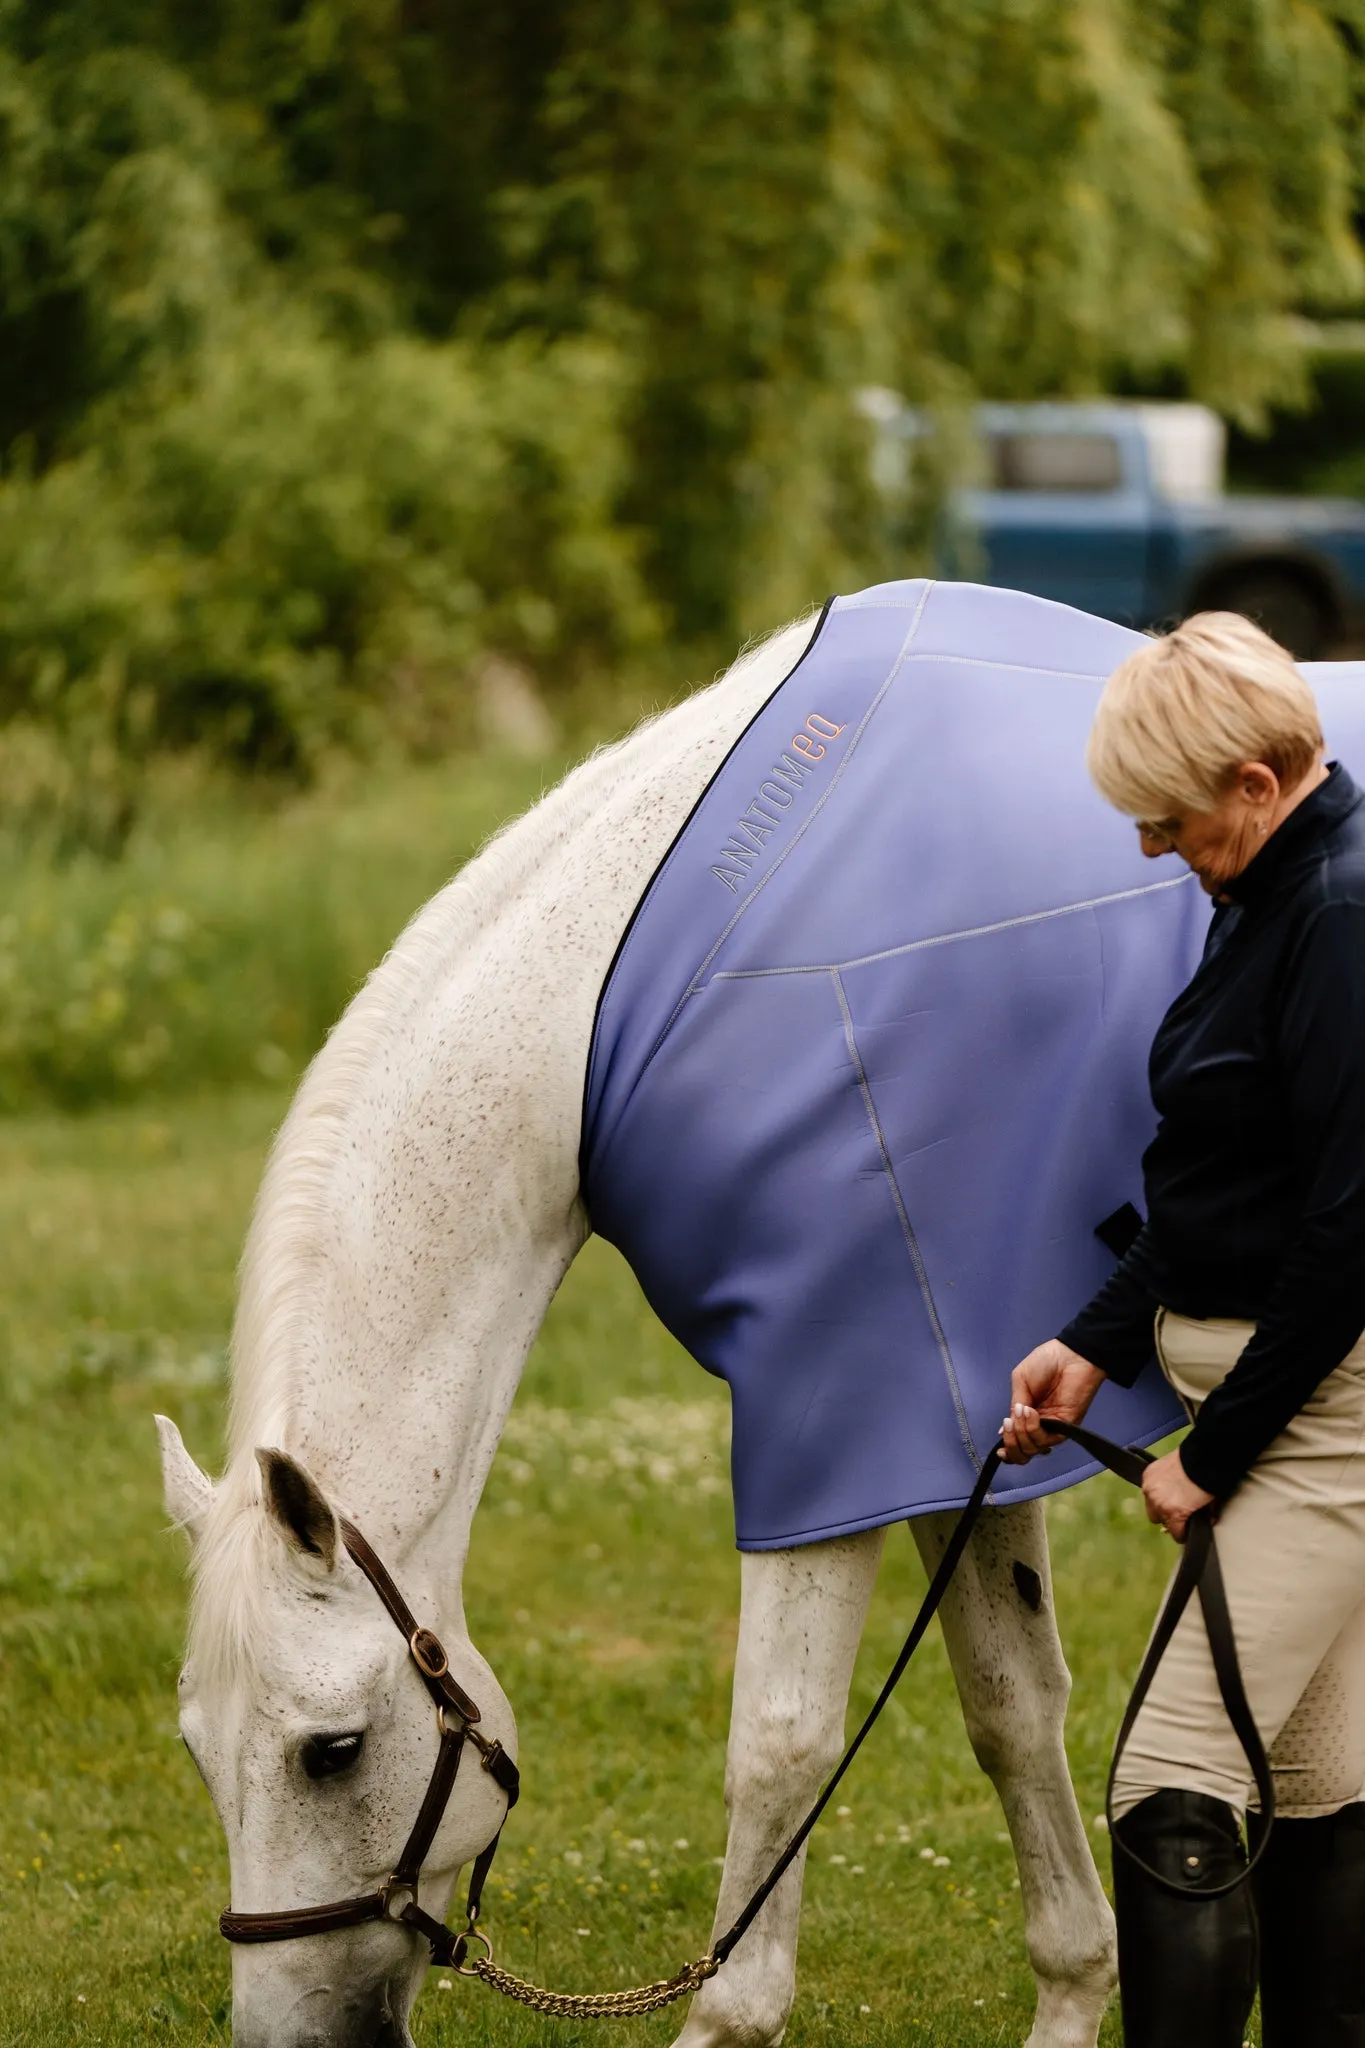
(1255, 1180)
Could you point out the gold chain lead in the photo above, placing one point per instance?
(595, 2005)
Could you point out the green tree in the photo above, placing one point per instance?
(341, 340)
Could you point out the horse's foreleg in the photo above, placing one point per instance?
(1013, 1682)
(801, 1614)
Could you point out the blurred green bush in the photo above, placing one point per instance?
(266, 520)
(229, 937)
(346, 345)
(306, 543)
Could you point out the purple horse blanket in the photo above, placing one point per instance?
(870, 1064)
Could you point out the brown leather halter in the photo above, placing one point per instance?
(1199, 1572)
(457, 1719)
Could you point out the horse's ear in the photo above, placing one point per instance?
(299, 1508)
(188, 1491)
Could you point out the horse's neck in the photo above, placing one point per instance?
(422, 1205)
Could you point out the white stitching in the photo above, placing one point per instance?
(980, 931)
(1014, 668)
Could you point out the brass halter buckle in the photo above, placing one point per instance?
(395, 1889)
(428, 1653)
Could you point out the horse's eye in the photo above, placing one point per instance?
(326, 1756)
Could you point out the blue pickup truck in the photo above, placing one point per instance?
(1119, 508)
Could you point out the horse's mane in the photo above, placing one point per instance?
(285, 1239)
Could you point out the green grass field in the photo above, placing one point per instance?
(603, 1585)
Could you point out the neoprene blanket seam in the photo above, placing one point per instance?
(907, 1228)
(694, 984)
(980, 931)
(1014, 668)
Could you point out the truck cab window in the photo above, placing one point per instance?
(1054, 462)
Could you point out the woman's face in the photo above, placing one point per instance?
(1217, 844)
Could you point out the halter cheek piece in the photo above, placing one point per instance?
(457, 1719)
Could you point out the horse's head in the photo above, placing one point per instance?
(316, 1737)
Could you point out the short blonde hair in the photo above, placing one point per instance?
(1180, 716)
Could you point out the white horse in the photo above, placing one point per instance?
(419, 1210)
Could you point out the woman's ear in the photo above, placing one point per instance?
(1259, 785)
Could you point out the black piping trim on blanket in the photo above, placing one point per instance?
(667, 855)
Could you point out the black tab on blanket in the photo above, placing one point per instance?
(1118, 1232)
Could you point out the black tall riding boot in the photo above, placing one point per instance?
(1310, 1902)
(1187, 1966)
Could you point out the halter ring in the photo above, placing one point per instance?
(469, 1934)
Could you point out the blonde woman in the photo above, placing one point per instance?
(1249, 1281)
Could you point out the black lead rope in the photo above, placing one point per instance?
(929, 1606)
(1199, 1571)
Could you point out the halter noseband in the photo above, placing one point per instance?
(457, 1719)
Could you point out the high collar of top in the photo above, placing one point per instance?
(1298, 841)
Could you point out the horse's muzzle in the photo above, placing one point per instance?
(386, 2032)
(325, 2018)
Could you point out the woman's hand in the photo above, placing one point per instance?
(1171, 1496)
(1052, 1378)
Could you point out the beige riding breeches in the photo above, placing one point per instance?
(1291, 1541)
